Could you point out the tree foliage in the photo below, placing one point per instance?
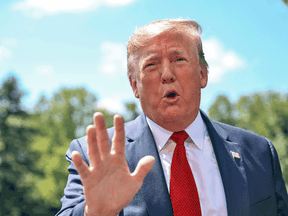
(33, 146)
(17, 159)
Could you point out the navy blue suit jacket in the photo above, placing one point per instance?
(253, 184)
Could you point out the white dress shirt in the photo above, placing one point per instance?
(202, 161)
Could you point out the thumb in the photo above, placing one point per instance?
(144, 166)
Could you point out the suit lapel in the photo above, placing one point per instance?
(231, 169)
(154, 188)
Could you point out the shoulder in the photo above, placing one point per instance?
(248, 140)
(239, 133)
(251, 143)
(231, 133)
(79, 145)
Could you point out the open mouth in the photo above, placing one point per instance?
(171, 95)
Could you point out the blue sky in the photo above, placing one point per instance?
(50, 44)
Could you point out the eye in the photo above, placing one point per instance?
(180, 59)
(150, 64)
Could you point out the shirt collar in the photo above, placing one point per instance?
(160, 134)
(195, 131)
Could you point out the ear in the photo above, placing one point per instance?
(203, 75)
(133, 83)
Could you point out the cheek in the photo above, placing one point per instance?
(151, 82)
(191, 87)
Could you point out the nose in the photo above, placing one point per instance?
(168, 75)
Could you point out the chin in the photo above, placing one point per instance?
(173, 114)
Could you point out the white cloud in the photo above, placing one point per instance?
(4, 53)
(44, 70)
(9, 42)
(220, 60)
(6, 48)
(113, 59)
(117, 2)
(113, 104)
(39, 8)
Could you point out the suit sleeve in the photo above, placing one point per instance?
(280, 188)
(73, 201)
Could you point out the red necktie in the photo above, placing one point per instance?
(183, 191)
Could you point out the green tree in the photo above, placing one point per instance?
(17, 160)
(223, 110)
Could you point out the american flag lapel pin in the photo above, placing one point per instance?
(235, 154)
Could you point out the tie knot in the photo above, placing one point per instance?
(179, 137)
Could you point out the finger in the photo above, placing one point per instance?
(81, 166)
(118, 144)
(102, 137)
(93, 151)
(144, 166)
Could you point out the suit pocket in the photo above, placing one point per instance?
(266, 207)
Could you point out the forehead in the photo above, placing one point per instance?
(169, 43)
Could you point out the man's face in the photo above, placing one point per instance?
(169, 81)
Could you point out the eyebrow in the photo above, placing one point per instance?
(177, 52)
(151, 56)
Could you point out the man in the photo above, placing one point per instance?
(179, 162)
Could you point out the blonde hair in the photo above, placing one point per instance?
(143, 35)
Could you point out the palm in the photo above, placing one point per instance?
(108, 184)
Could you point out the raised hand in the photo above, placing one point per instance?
(108, 184)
